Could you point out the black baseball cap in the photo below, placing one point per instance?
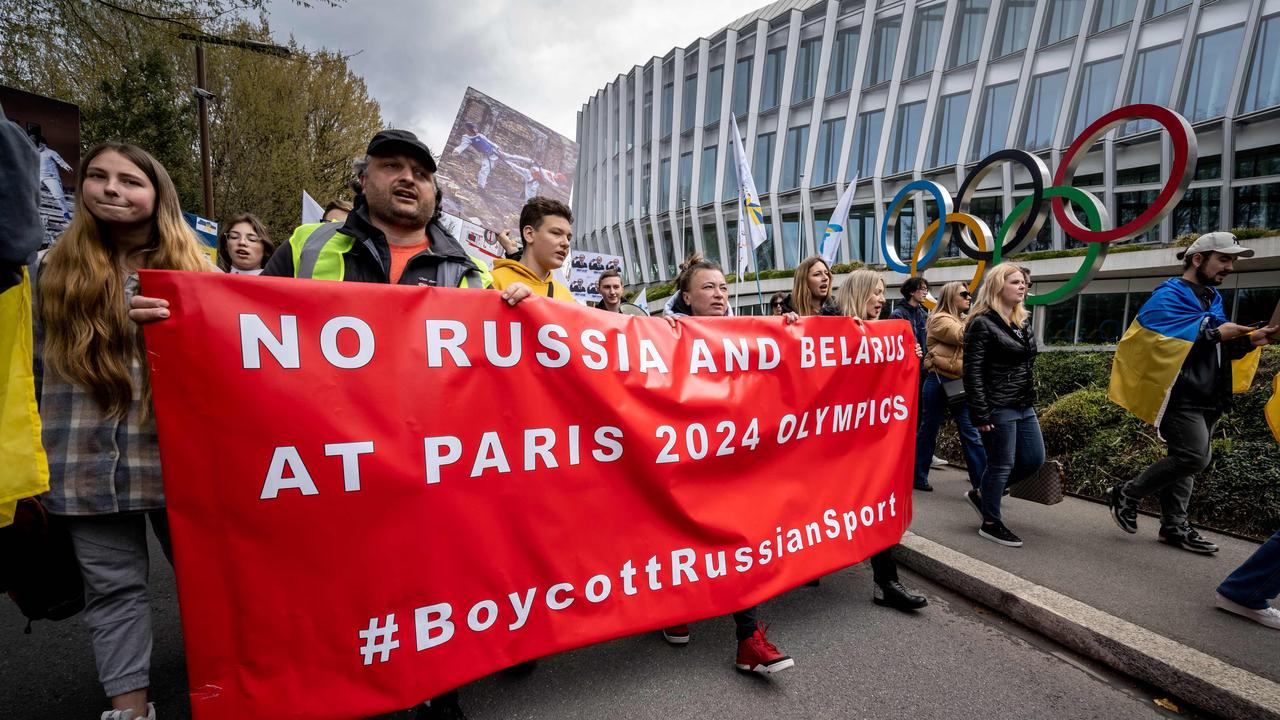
(389, 142)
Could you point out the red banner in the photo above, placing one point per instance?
(378, 493)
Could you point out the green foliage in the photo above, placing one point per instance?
(1061, 373)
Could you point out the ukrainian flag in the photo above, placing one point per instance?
(1152, 351)
(1272, 410)
(26, 471)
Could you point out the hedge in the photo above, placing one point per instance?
(1100, 444)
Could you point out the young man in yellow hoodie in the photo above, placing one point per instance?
(547, 227)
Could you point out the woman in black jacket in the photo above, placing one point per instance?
(999, 354)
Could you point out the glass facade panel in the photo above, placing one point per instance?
(688, 102)
(710, 243)
(826, 162)
(1254, 304)
(668, 102)
(866, 141)
(793, 157)
(1044, 105)
(741, 86)
(950, 123)
(1213, 66)
(1062, 21)
(1044, 238)
(669, 260)
(861, 233)
(664, 184)
(843, 56)
(1097, 91)
(771, 90)
(684, 188)
(1060, 322)
(1152, 82)
(791, 239)
(1129, 205)
(971, 21)
(630, 192)
(1197, 213)
(1101, 318)
(1015, 27)
(1160, 7)
(924, 41)
(634, 274)
(1258, 162)
(760, 161)
(707, 176)
(715, 87)
(906, 137)
(645, 188)
(993, 123)
(1111, 13)
(647, 111)
(765, 256)
(1263, 88)
(1256, 206)
(880, 64)
(804, 85)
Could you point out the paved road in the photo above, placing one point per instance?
(854, 660)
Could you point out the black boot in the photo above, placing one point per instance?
(893, 594)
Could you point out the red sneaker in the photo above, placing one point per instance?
(676, 635)
(757, 654)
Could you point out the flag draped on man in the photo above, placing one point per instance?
(750, 216)
(836, 230)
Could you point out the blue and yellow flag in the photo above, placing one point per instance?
(26, 471)
(1272, 409)
(1150, 355)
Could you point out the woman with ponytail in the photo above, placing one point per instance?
(95, 401)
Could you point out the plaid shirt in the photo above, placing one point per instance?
(97, 464)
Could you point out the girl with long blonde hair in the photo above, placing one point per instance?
(999, 357)
(104, 459)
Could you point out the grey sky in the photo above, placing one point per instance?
(541, 58)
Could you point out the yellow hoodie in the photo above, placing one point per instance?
(506, 272)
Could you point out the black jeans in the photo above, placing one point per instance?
(883, 567)
(1186, 432)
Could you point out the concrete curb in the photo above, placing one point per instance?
(1183, 671)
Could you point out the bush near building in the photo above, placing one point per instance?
(1100, 444)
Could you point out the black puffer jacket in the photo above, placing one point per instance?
(998, 361)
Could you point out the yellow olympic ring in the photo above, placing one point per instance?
(975, 226)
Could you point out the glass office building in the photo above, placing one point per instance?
(893, 91)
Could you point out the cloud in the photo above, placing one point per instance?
(544, 59)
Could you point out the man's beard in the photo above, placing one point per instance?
(382, 205)
(1206, 279)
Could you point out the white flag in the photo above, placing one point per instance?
(642, 298)
(750, 216)
(311, 210)
(835, 233)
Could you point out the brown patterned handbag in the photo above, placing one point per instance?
(1044, 486)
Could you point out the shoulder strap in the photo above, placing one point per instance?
(311, 249)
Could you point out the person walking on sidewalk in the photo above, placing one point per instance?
(1174, 369)
(944, 368)
(1246, 591)
(999, 357)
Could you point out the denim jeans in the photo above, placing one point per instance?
(1258, 579)
(1186, 432)
(1015, 450)
(933, 405)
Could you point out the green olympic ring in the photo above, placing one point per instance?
(1097, 217)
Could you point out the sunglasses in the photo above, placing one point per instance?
(965, 295)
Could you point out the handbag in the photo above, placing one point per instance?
(953, 388)
(38, 566)
(1044, 486)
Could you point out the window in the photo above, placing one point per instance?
(1060, 322)
(993, 119)
(707, 176)
(924, 41)
(730, 174)
(1097, 91)
(1129, 205)
(646, 189)
(1138, 175)
(630, 192)
(1258, 162)
(971, 20)
(628, 121)
(1197, 213)
(840, 75)
(761, 160)
(664, 184)
(684, 188)
(1255, 304)
(880, 65)
(1152, 81)
(765, 255)
(715, 87)
(1256, 205)
(861, 233)
(741, 86)
(771, 92)
(987, 209)
(1101, 318)
(1044, 104)
(668, 99)
(668, 256)
(688, 102)
(790, 241)
(648, 116)
(906, 137)
(806, 79)
(1213, 66)
(1015, 27)
(950, 124)
(1160, 7)
(866, 141)
(1062, 21)
(1263, 88)
(793, 157)
(633, 268)
(1112, 13)
(1044, 238)
(825, 163)
(710, 243)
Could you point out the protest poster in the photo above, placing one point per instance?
(584, 273)
(497, 158)
(418, 504)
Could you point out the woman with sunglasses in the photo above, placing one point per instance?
(943, 387)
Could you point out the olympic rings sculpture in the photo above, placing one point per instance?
(1024, 222)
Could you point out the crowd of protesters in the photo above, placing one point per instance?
(976, 364)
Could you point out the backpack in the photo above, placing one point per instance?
(38, 567)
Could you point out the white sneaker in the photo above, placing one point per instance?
(130, 714)
(1268, 616)
(937, 462)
